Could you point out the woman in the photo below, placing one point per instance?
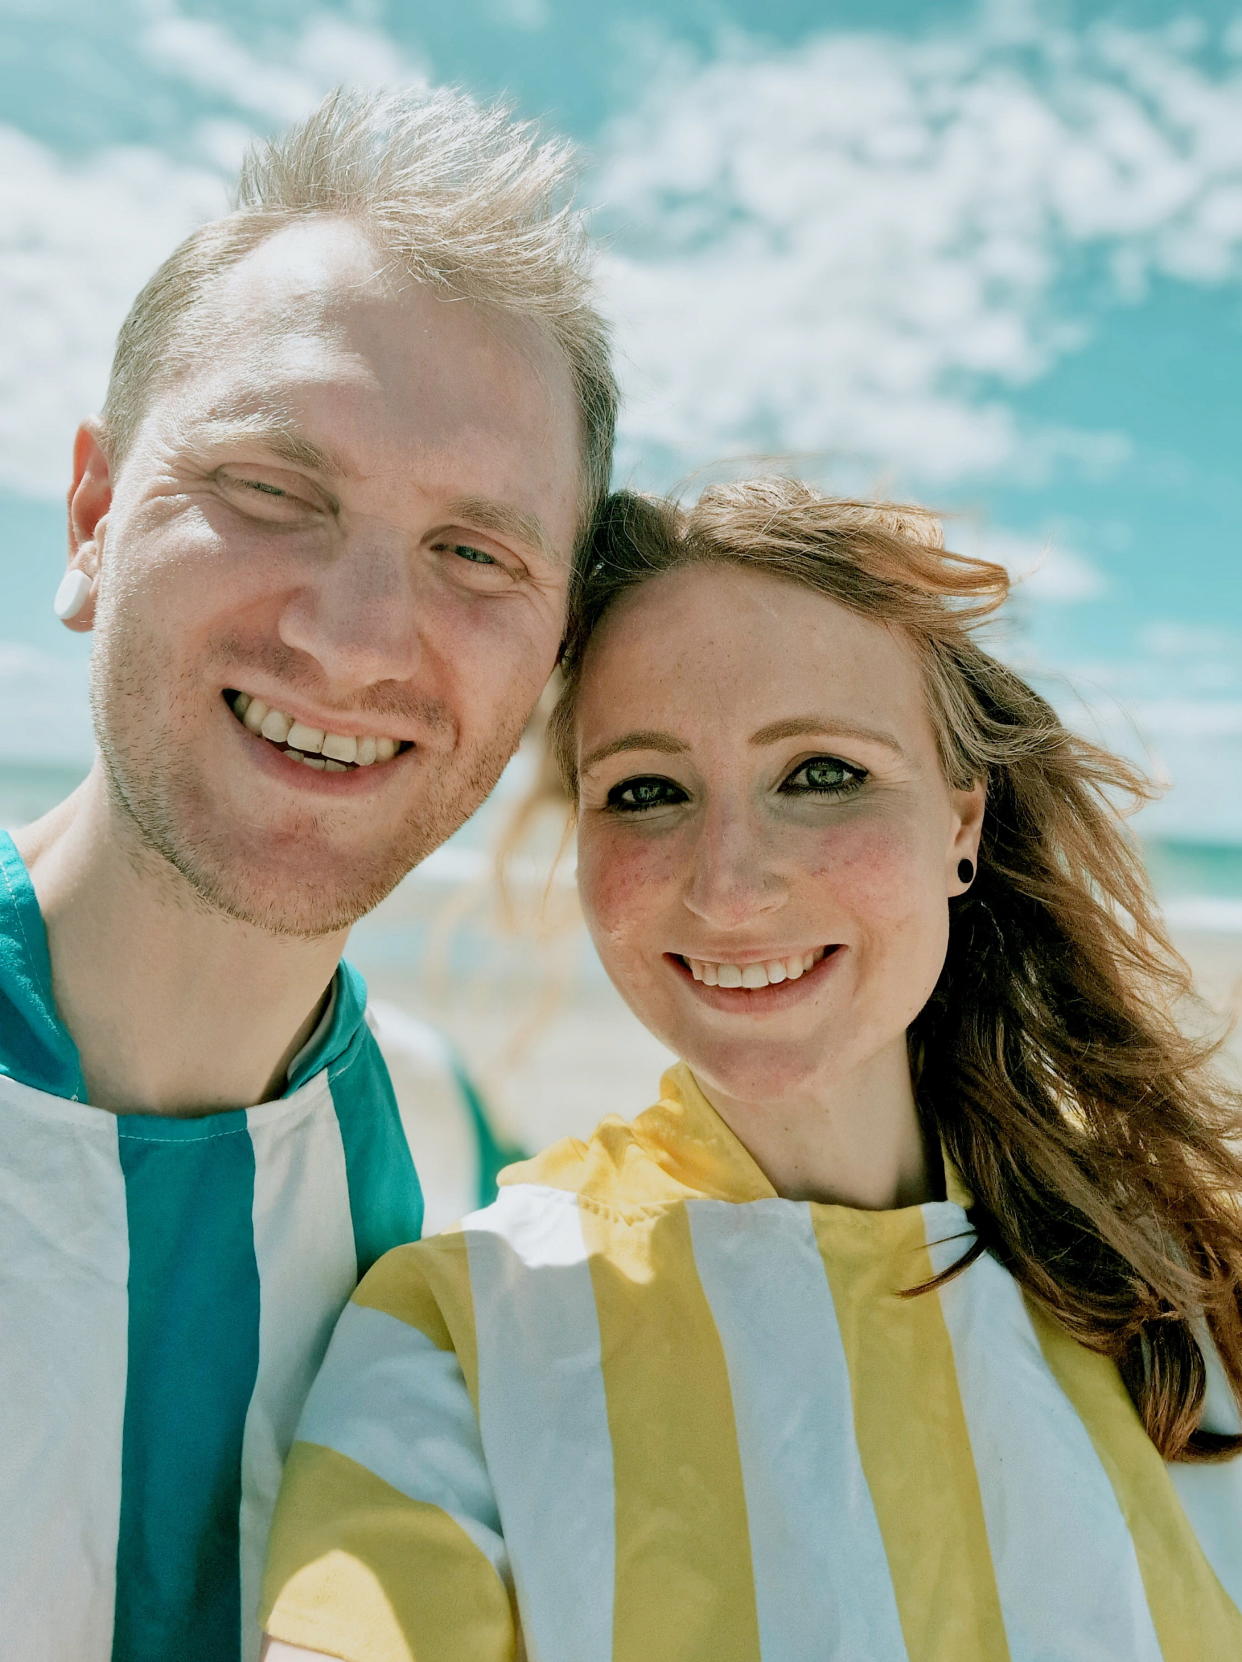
(907, 1324)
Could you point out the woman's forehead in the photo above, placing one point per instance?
(721, 638)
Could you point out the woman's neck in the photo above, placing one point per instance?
(856, 1141)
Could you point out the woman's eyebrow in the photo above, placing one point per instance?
(642, 739)
(794, 727)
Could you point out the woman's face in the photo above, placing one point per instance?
(761, 792)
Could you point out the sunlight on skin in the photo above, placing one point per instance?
(759, 779)
(365, 523)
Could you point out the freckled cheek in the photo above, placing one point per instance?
(627, 885)
(876, 874)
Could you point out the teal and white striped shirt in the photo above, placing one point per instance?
(167, 1290)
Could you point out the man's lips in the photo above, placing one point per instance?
(290, 770)
(338, 741)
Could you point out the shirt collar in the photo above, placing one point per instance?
(38, 1047)
(679, 1149)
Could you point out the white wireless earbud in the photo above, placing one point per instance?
(72, 595)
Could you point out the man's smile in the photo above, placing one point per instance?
(314, 747)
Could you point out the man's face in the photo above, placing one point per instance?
(358, 509)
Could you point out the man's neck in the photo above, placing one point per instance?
(174, 1007)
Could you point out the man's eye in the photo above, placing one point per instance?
(633, 795)
(825, 776)
(263, 497)
(475, 565)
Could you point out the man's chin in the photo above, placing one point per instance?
(286, 868)
(305, 907)
(299, 888)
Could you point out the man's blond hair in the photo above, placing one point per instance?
(454, 194)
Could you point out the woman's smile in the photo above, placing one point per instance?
(758, 986)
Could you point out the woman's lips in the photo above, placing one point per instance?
(774, 996)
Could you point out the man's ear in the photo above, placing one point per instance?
(90, 498)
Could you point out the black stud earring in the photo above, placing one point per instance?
(965, 871)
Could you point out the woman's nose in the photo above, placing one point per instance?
(735, 876)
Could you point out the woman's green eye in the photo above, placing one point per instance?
(826, 775)
(476, 556)
(633, 795)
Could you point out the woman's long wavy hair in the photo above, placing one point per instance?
(1090, 1129)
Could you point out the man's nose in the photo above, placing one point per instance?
(735, 876)
(357, 613)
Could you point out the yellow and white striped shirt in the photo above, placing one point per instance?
(641, 1409)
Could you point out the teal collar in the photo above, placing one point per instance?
(37, 1048)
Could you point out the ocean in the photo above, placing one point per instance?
(1199, 883)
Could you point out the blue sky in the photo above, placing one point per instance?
(984, 255)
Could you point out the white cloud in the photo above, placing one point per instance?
(523, 14)
(275, 86)
(1045, 567)
(1188, 742)
(850, 251)
(1173, 638)
(79, 238)
(855, 248)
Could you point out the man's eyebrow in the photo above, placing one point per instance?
(505, 520)
(643, 739)
(795, 727)
(276, 433)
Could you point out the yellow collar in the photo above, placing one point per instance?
(678, 1149)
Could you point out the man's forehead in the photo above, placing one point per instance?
(393, 346)
(311, 353)
(314, 264)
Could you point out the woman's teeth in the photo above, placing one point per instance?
(753, 976)
(332, 752)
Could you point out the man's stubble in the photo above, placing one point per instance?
(164, 800)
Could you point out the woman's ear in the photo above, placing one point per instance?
(90, 498)
(968, 807)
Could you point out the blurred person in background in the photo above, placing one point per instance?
(908, 1322)
(323, 534)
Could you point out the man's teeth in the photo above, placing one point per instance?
(333, 752)
(754, 975)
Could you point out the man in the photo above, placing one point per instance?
(322, 534)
